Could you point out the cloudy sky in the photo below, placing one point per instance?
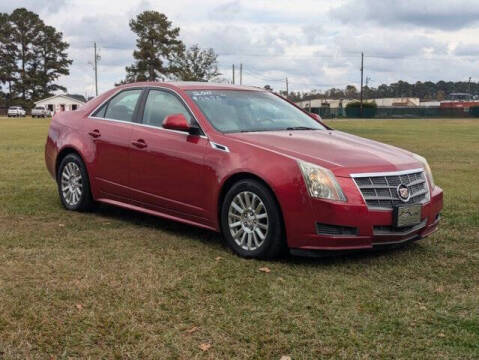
(315, 43)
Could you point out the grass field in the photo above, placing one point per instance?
(117, 284)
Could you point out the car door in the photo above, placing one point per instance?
(110, 128)
(167, 166)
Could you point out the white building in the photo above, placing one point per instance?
(62, 102)
(430, 103)
(317, 103)
(393, 102)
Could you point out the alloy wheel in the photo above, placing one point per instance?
(248, 220)
(71, 184)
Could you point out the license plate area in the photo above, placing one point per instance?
(406, 215)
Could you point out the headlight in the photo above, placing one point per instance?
(427, 169)
(321, 182)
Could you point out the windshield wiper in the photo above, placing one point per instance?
(300, 128)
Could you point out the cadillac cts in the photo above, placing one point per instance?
(244, 162)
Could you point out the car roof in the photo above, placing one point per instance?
(195, 85)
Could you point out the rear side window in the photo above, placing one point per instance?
(121, 106)
(101, 111)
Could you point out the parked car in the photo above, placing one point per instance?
(244, 162)
(16, 111)
(40, 111)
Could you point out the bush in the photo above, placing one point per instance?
(353, 109)
(474, 111)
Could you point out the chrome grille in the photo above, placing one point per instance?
(379, 190)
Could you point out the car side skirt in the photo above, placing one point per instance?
(155, 213)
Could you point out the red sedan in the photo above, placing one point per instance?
(244, 162)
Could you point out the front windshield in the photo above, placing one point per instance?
(244, 111)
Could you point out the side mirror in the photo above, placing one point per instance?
(315, 117)
(176, 122)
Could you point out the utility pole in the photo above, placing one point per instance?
(241, 74)
(96, 70)
(287, 88)
(233, 74)
(361, 96)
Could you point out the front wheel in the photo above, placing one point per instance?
(251, 221)
(73, 184)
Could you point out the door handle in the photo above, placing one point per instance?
(140, 143)
(95, 133)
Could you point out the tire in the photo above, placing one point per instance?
(250, 223)
(72, 175)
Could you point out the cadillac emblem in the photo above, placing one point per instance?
(403, 193)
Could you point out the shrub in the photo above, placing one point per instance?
(474, 110)
(353, 109)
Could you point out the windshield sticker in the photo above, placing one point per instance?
(202, 93)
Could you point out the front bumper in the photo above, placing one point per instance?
(372, 228)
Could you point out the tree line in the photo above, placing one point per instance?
(33, 56)
(424, 90)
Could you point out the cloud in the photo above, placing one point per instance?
(315, 43)
(467, 49)
(437, 14)
(387, 44)
(39, 7)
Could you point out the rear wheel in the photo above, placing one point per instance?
(251, 220)
(73, 184)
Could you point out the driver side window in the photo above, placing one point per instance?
(159, 105)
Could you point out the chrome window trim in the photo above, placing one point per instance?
(389, 173)
(146, 125)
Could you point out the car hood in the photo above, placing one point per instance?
(340, 152)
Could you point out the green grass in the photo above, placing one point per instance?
(117, 284)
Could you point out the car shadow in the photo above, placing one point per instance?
(167, 226)
(357, 256)
(214, 239)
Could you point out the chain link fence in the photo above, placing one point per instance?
(397, 112)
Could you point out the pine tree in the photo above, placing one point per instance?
(32, 56)
(26, 27)
(157, 46)
(8, 65)
(54, 61)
